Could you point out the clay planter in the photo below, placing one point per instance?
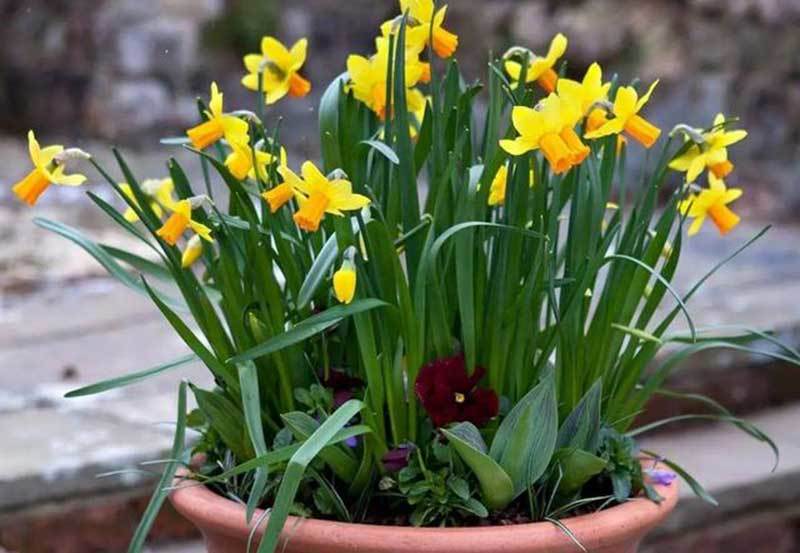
(615, 530)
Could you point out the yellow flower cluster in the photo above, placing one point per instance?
(550, 125)
(367, 75)
(709, 150)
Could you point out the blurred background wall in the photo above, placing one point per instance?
(128, 70)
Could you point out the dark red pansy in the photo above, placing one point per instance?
(449, 394)
(342, 384)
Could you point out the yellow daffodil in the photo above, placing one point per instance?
(540, 69)
(317, 195)
(368, 76)
(344, 282)
(280, 195)
(587, 93)
(240, 161)
(548, 127)
(279, 68)
(192, 252)
(424, 25)
(48, 168)
(218, 125)
(711, 153)
(160, 192)
(712, 202)
(627, 105)
(181, 219)
(497, 190)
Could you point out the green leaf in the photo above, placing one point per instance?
(104, 258)
(303, 426)
(329, 123)
(293, 474)
(251, 403)
(307, 328)
(581, 429)
(383, 148)
(278, 456)
(132, 378)
(526, 439)
(696, 487)
(318, 271)
(496, 486)
(206, 356)
(578, 467)
(227, 419)
(162, 488)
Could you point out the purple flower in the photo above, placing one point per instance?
(397, 458)
(351, 442)
(342, 385)
(660, 477)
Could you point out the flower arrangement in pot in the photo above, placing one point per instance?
(440, 336)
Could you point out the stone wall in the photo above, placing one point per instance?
(128, 70)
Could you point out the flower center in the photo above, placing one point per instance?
(556, 151)
(723, 217)
(642, 130)
(31, 187)
(309, 216)
(205, 134)
(173, 228)
(547, 80)
(278, 196)
(459, 397)
(298, 86)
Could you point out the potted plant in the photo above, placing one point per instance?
(440, 338)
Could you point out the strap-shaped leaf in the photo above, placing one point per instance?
(318, 271)
(297, 467)
(307, 328)
(132, 378)
(251, 403)
(303, 426)
(496, 486)
(162, 488)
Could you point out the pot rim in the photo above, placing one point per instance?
(618, 524)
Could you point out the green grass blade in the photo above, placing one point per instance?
(297, 467)
(163, 486)
(251, 403)
(318, 271)
(307, 328)
(132, 378)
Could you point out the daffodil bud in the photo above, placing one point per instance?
(194, 248)
(344, 283)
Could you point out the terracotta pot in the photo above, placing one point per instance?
(615, 530)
